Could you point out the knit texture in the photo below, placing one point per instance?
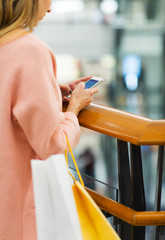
(32, 125)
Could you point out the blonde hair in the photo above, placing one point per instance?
(16, 14)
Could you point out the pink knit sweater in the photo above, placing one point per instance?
(32, 125)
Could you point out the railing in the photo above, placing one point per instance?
(137, 131)
(127, 214)
(124, 126)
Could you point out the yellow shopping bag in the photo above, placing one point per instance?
(93, 223)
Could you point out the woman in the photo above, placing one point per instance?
(32, 124)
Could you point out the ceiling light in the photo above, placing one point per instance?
(66, 6)
(109, 6)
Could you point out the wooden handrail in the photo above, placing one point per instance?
(127, 214)
(129, 128)
(122, 125)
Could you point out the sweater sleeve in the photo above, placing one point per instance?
(37, 106)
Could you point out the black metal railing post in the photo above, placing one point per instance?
(124, 185)
(159, 181)
(138, 194)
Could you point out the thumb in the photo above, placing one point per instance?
(94, 90)
(81, 85)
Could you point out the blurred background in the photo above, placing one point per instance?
(122, 41)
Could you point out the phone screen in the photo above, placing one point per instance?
(90, 83)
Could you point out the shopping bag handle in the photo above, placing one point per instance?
(74, 161)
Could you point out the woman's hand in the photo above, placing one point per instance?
(80, 98)
(67, 88)
(73, 84)
(65, 91)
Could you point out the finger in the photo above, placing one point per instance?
(84, 79)
(81, 85)
(66, 99)
(67, 90)
(94, 90)
(72, 85)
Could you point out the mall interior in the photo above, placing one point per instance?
(122, 41)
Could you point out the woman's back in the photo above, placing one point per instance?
(30, 112)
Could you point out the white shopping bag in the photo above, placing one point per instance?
(56, 212)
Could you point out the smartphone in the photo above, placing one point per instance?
(93, 82)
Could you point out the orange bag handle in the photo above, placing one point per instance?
(74, 161)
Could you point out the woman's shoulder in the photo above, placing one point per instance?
(33, 40)
(30, 43)
(25, 51)
(25, 45)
